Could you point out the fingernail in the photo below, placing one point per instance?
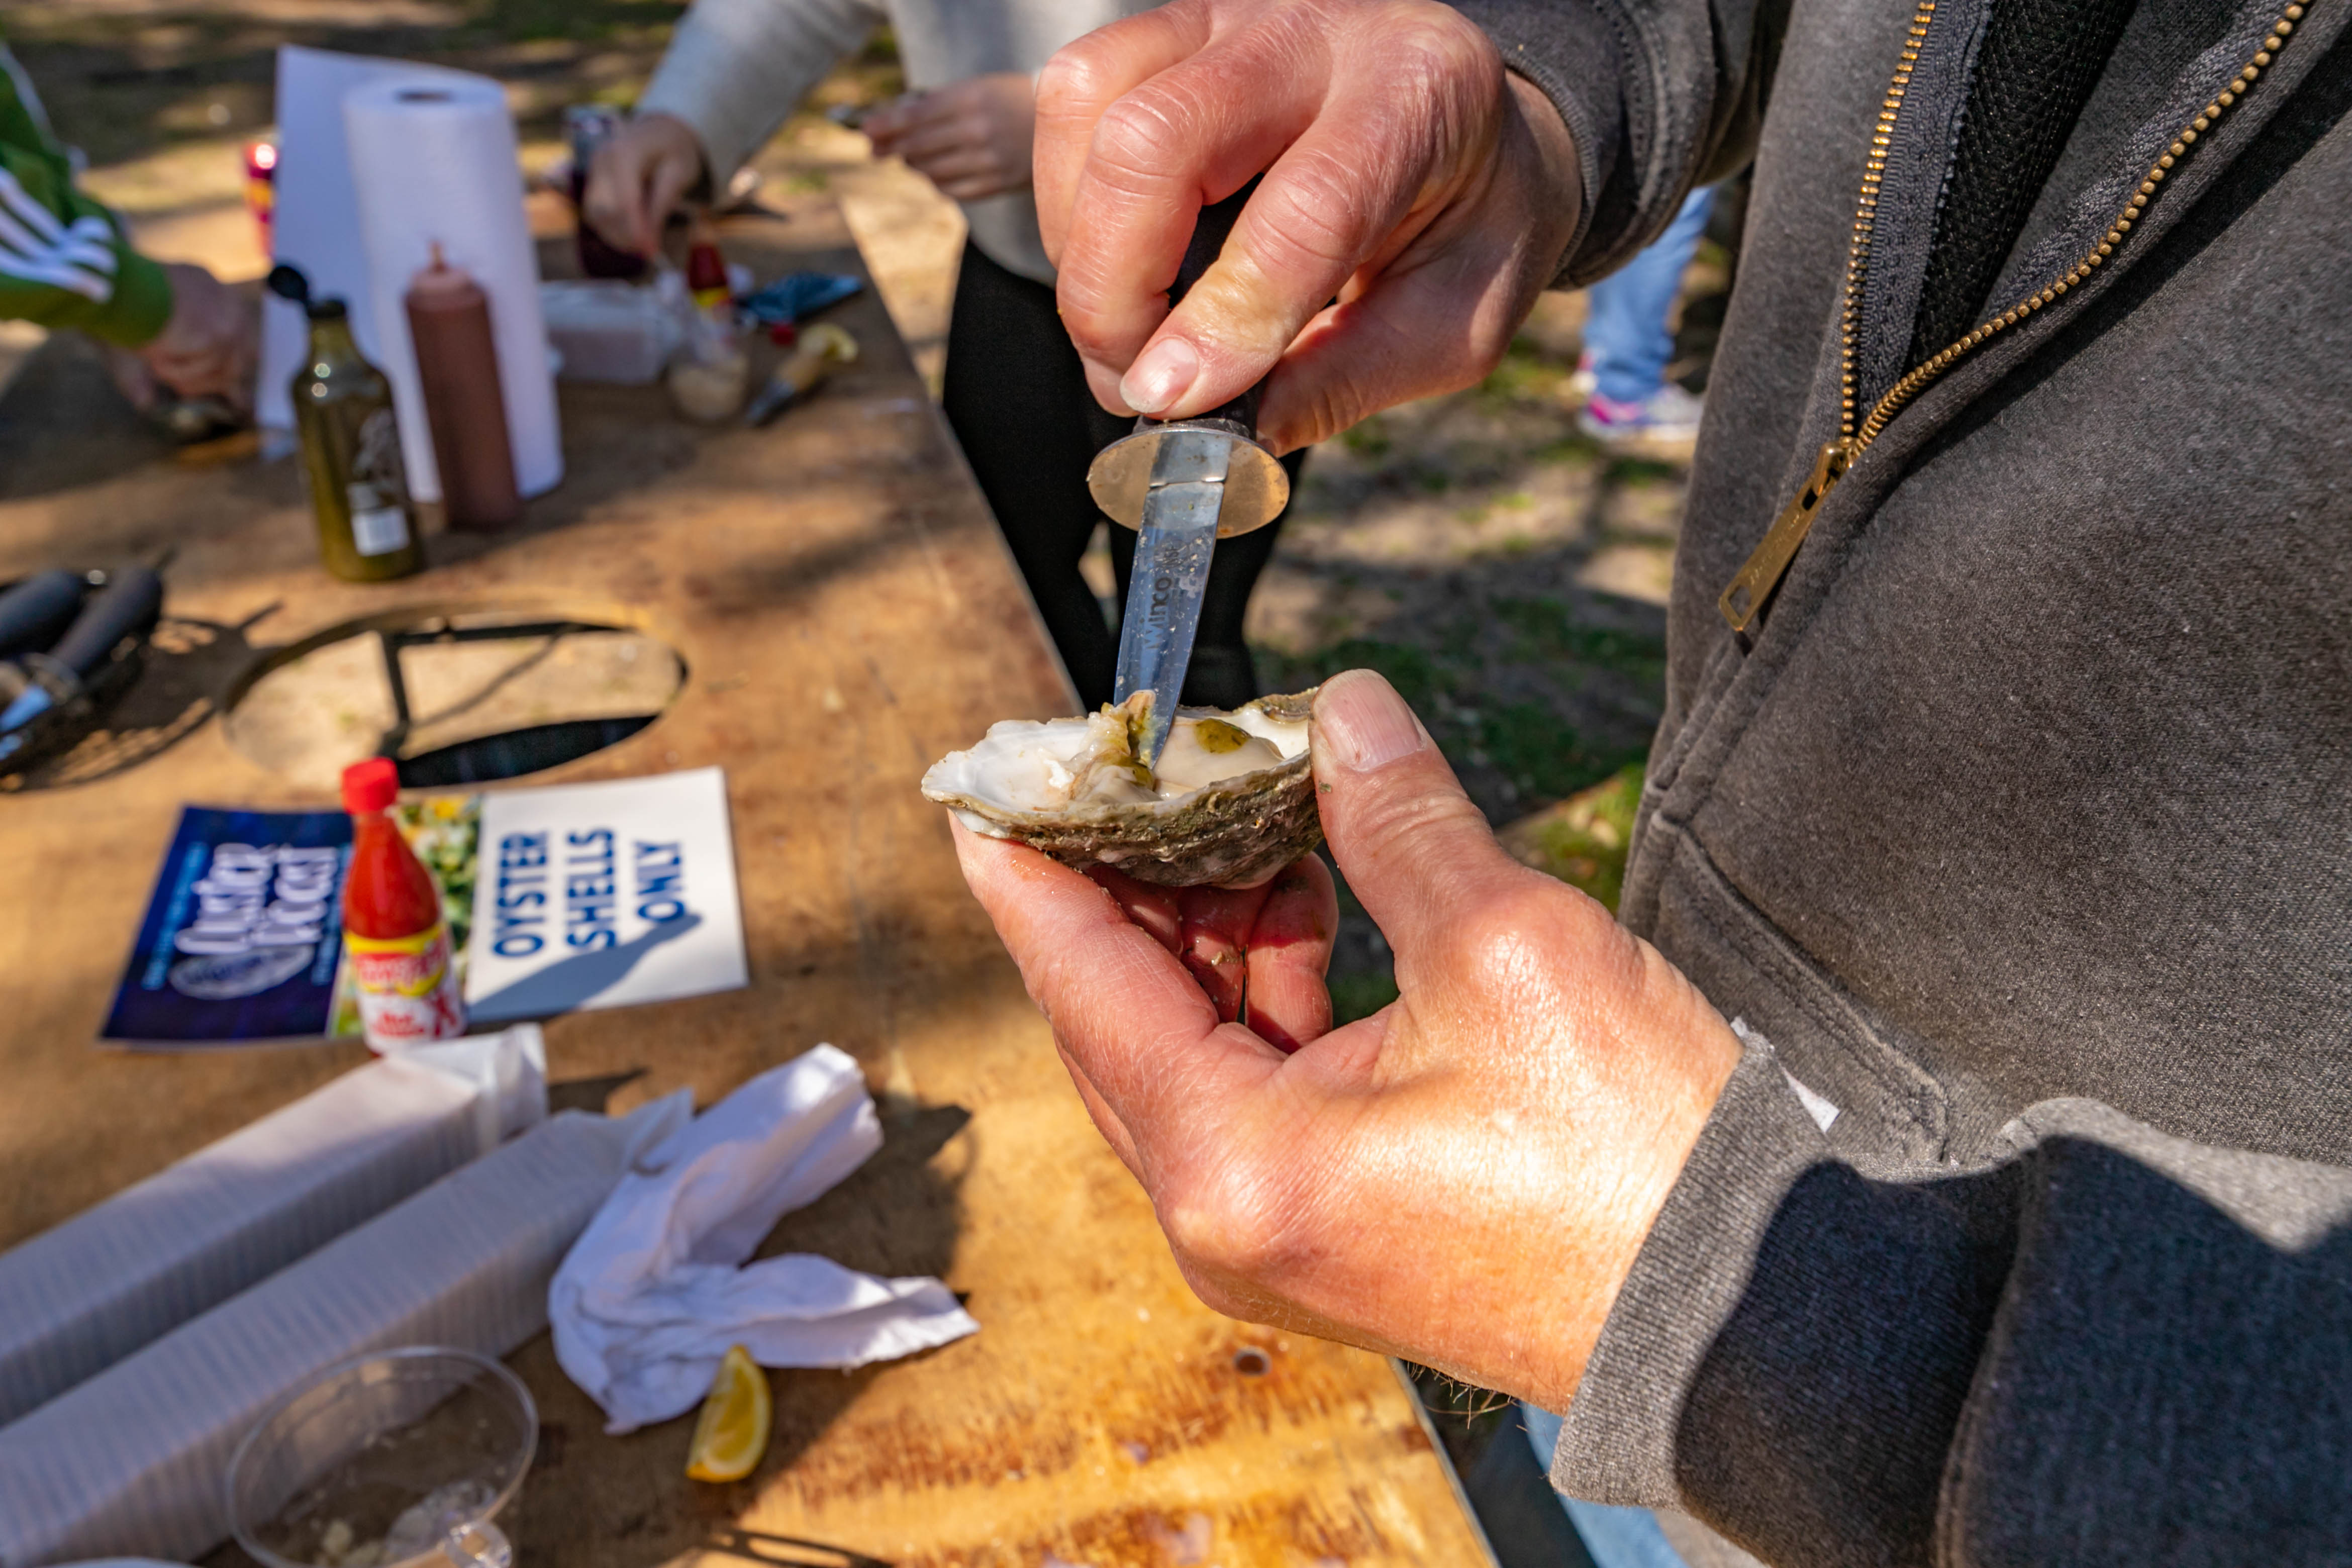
(1160, 376)
(1366, 723)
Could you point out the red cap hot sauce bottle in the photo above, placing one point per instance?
(394, 936)
(705, 272)
(457, 370)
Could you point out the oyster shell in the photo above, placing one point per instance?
(1231, 803)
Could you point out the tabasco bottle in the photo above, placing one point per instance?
(394, 936)
(351, 448)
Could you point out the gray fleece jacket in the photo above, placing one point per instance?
(2019, 829)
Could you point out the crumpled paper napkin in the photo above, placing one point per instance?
(654, 1290)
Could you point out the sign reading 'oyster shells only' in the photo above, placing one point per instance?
(558, 898)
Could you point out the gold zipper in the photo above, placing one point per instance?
(1751, 588)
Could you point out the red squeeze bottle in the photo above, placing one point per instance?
(706, 272)
(457, 370)
(394, 937)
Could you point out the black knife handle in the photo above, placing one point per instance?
(131, 601)
(1210, 232)
(36, 611)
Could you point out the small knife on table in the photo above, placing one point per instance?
(1183, 484)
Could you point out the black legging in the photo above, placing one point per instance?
(1017, 398)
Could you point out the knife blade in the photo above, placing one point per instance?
(1170, 576)
(1182, 484)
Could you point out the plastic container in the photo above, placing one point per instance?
(708, 388)
(401, 1460)
(614, 332)
(394, 936)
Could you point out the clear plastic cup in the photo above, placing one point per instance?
(398, 1459)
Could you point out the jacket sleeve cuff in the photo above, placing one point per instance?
(140, 307)
(1573, 54)
(1618, 1442)
(1789, 1357)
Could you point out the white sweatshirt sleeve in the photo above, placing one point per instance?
(735, 69)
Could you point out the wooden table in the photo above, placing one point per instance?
(847, 614)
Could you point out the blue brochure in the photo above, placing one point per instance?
(242, 934)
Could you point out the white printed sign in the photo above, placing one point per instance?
(604, 895)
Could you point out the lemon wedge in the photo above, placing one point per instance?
(733, 1432)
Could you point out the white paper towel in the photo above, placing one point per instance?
(436, 163)
(77, 1299)
(656, 1288)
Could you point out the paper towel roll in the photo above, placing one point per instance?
(316, 223)
(437, 163)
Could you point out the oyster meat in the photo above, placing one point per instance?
(1232, 802)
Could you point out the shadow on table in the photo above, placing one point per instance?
(64, 426)
(590, 1094)
(575, 982)
(184, 669)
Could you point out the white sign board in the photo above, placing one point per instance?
(604, 895)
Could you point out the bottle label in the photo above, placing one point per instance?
(376, 529)
(407, 988)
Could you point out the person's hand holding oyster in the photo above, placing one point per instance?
(1464, 1177)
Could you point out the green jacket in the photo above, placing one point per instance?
(64, 260)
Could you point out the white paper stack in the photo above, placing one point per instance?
(132, 1462)
(78, 1298)
(436, 163)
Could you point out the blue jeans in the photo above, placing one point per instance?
(1615, 1537)
(1625, 327)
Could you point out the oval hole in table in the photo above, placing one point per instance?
(454, 697)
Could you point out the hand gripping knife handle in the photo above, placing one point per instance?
(1256, 485)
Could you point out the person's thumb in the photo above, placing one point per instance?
(1416, 853)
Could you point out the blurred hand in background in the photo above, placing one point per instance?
(971, 138)
(209, 348)
(637, 177)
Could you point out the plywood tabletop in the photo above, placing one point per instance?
(846, 613)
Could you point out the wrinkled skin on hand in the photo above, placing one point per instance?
(1408, 178)
(637, 178)
(971, 138)
(1463, 1178)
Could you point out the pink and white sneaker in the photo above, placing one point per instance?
(1664, 421)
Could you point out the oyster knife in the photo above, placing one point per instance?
(1180, 484)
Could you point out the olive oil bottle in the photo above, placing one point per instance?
(351, 448)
